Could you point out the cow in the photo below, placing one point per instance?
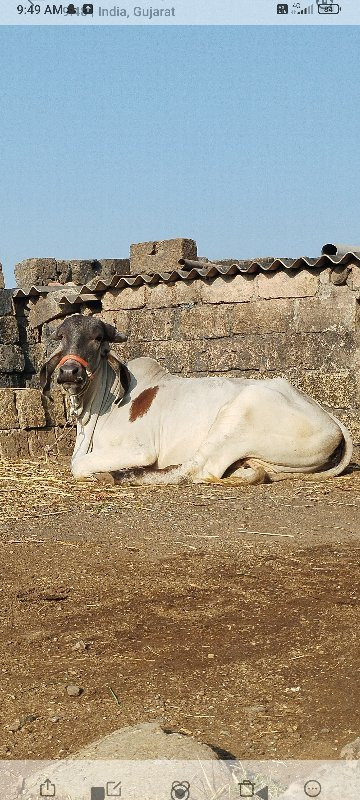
(138, 421)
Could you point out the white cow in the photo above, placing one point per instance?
(199, 429)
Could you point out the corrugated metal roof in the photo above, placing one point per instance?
(188, 270)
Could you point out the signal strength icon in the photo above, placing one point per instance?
(307, 10)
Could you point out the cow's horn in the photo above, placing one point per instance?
(47, 370)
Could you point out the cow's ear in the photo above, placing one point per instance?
(47, 370)
(123, 374)
(112, 335)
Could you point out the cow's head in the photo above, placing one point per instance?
(83, 342)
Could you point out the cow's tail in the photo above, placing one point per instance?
(335, 466)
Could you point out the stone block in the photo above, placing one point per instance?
(333, 389)
(164, 295)
(9, 332)
(45, 309)
(66, 442)
(12, 380)
(63, 272)
(355, 276)
(118, 299)
(214, 356)
(11, 358)
(287, 284)
(30, 408)
(351, 420)
(38, 441)
(48, 442)
(54, 408)
(329, 351)
(35, 356)
(236, 289)
(335, 312)
(163, 256)
(262, 316)
(6, 302)
(113, 266)
(174, 356)
(83, 271)
(8, 413)
(13, 445)
(36, 272)
(208, 322)
(149, 325)
(120, 319)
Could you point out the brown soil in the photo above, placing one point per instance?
(169, 603)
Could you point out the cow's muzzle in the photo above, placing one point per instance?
(74, 372)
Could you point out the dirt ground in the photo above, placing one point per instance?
(229, 613)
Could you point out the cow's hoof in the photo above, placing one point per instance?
(105, 478)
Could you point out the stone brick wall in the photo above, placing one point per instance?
(31, 425)
(303, 325)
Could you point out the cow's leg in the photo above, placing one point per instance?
(111, 460)
(228, 442)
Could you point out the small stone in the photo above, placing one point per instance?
(26, 718)
(81, 645)
(339, 275)
(73, 690)
(14, 726)
(54, 719)
(211, 655)
(259, 709)
(351, 750)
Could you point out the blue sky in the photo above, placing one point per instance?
(246, 139)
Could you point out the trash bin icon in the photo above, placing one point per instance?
(246, 789)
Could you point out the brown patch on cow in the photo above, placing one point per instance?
(140, 406)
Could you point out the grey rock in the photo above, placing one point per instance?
(351, 750)
(74, 691)
(14, 726)
(146, 741)
(140, 742)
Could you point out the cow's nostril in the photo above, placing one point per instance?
(68, 371)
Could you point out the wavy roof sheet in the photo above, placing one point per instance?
(187, 270)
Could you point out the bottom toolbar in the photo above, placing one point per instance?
(179, 780)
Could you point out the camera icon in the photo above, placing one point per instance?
(180, 790)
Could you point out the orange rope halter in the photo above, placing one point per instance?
(73, 357)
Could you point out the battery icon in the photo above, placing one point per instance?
(325, 8)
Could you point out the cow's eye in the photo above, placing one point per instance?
(99, 338)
